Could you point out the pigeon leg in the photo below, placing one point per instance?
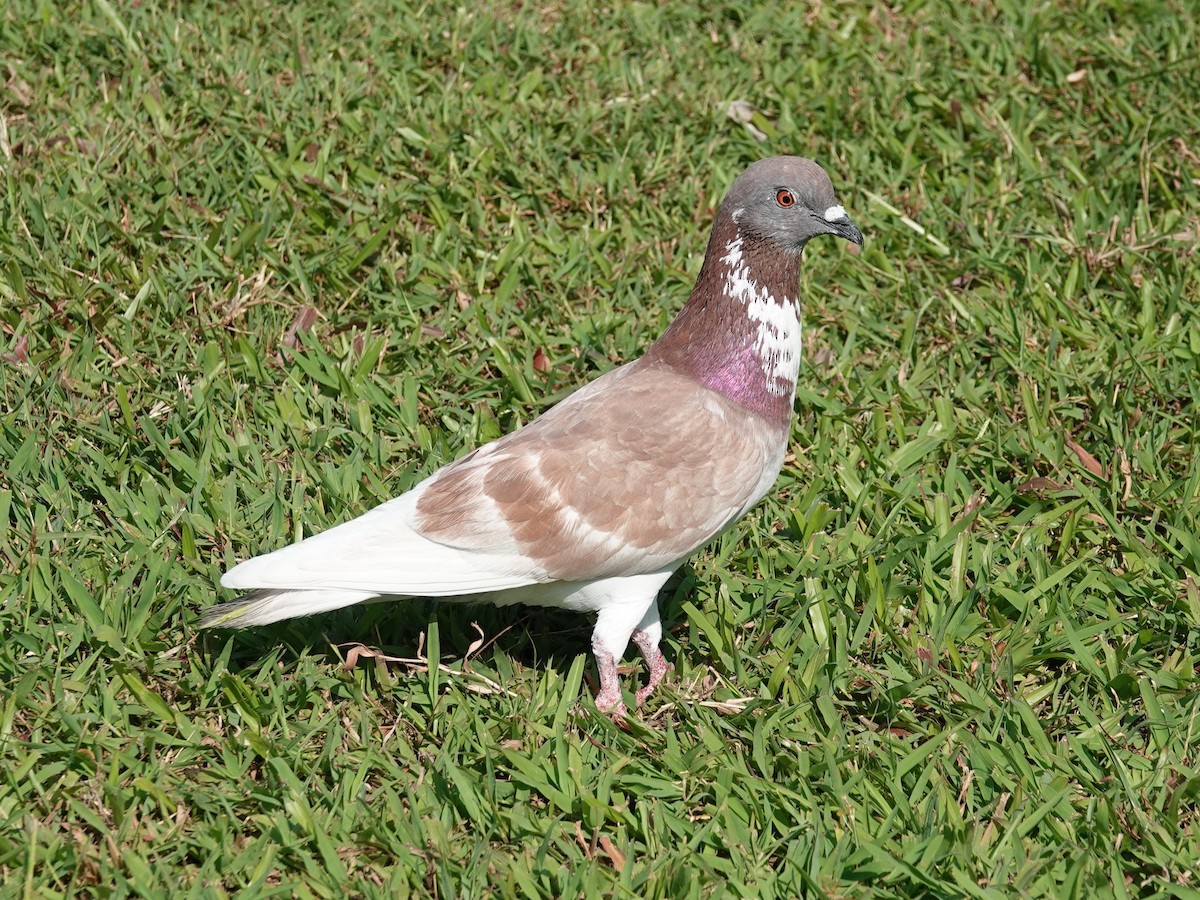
(615, 622)
(608, 698)
(647, 636)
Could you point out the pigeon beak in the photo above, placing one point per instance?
(839, 223)
(848, 230)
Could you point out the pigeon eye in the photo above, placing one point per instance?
(785, 197)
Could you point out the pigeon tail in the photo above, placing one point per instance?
(267, 605)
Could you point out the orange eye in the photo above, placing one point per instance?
(784, 197)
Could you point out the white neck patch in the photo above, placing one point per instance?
(777, 340)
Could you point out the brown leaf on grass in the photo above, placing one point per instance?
(581, 840)
(1127, 474)
(362, 651)
(305, 319)
(87, 148)
(1039, 484)
(477, 644)
(1089, 462)
(541, 362)
(968, 778)
(476, 683)
(614, 854)
(730, 707)
(19, 90)
(20, 351)
(997, 816)
(251, 291)
(971, 507)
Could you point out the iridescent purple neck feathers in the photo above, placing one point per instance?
(739, 333)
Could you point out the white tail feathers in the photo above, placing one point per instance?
(378, 553)
(262, 607)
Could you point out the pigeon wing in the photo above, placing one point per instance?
(612, 481)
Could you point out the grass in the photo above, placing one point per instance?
(263, 266)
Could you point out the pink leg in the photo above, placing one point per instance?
(608, 699)
(647, 636)
(656, 663)
(625, 606)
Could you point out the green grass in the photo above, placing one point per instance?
(263, 266)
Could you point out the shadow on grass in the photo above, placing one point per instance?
(532, 637)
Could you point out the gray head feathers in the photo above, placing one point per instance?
(786, 200)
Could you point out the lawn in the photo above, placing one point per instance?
(265, 265)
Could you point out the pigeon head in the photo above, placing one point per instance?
(785, 200)
(739, 332)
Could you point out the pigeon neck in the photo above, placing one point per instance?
(739, 333)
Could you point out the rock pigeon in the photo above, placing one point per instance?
(592, 506)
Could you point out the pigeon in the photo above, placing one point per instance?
(594, 504)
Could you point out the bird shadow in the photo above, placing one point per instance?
(531, 637)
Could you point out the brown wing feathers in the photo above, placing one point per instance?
(615, 485)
